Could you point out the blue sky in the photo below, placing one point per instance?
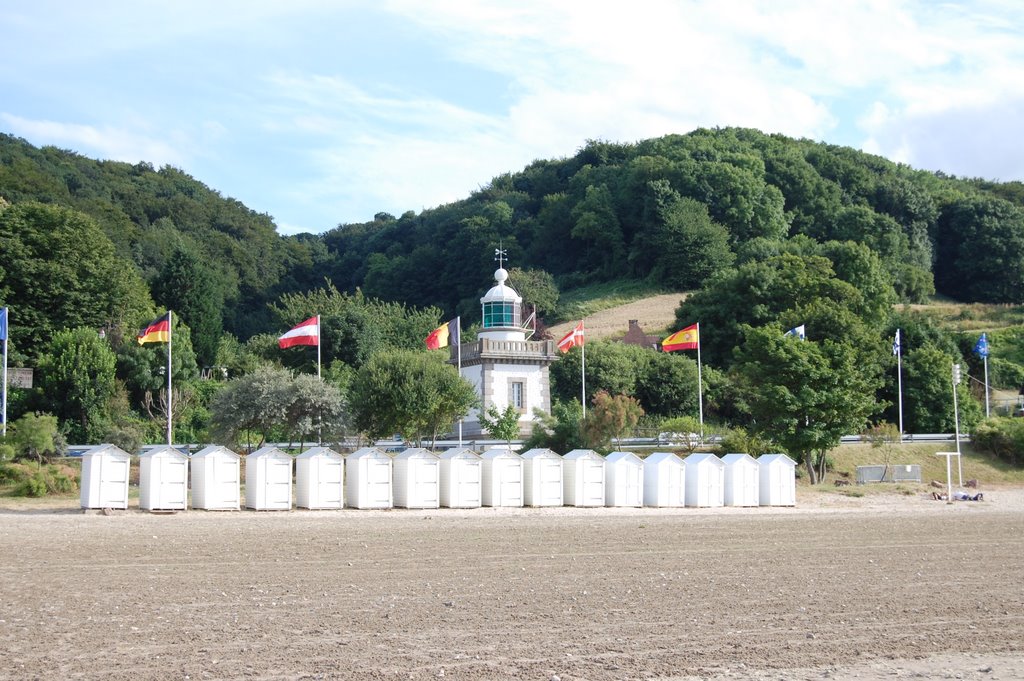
(323, 112)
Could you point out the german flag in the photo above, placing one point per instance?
(158, 331)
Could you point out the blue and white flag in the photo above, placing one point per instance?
(797, 331)
(981, 347)
(896, 347)
(3, 323)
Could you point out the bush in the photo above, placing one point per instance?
(1005, 374)
(15, 473)
(1002, 437)
(34, 486)
(741, 441)
(29, 480)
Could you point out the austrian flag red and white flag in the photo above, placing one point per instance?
(306, 333)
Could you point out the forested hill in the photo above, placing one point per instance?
(677, 208)
(672, 211)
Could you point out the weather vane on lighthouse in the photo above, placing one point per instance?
(500, 255)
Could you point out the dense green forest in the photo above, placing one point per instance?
(768, 231)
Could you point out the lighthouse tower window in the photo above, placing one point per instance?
(500, 313)
(516, 396)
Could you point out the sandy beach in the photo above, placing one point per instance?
(882, 586)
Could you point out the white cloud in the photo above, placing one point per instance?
(925, 83)
(105, 142)
(968, 140)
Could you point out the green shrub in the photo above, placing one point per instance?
(30, 480)
(15, 473)
(1002, 437)
(34, 486)
(1004, 373)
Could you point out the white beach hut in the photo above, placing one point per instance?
(163, 479)
(416, 476)
(461, 478)
(664, 480)
(368, 479)
(319, 479)
(502, 478)
(268, 480)
(705, 480)
(742, 481)
(216, 479)
(542, 478)
(583, 478)
(624, 480)
(778, 480)
(105, 470)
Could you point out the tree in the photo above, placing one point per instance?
(884, 436)
(682, 246)
(36, 435)
(804, 395)
(667, 384)
(597, 228)
(537, 288)
(980, 251)
(61, 271)
(316, 407)
(353, 327)
(611, 366)
(77, 381)
(192, 290)
(272, 400)
(762, 292)
(928, 393)
(257, 402)
(611, 418)
(501, 425)
(409, 392)
(143, 368)
(558, 431)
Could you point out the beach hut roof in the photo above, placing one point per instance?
(776, 458)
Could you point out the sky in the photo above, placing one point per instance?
(326, 112)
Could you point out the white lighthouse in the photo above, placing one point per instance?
(505, 367)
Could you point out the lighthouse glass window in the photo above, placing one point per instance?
(499, 314)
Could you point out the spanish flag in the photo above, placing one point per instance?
(687, 339)
(158, 331)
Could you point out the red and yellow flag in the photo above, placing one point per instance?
(444, 335)
(158, 331)
(687, 339)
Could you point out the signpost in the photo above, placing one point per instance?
(949, 473)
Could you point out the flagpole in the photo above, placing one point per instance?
(986, 385)
(583, 368)
(700, 387)
(458, 355)
(7, 332)
(318, 348)
(899, 379)
(170, 327)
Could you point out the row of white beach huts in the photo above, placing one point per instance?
(417, 478)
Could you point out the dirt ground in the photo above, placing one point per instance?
(653, 314)
(877, 587)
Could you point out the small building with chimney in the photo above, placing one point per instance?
(636, 336)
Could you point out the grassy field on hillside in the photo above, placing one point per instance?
(977, 465)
